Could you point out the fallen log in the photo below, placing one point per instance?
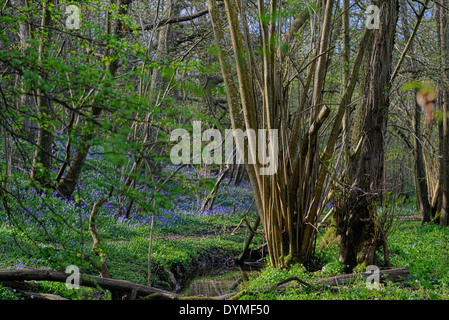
(41, 296)
(126, 287)
(394, 275)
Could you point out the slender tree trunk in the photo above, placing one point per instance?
(237, 120)
(8, 149)
(345, 58)
(420, 174)
(356, 217)
(420, 170)
(28, 125)
(444, 101)
(68, 184)
(43, 153)
(161, 52)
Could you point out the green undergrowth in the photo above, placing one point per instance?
(423, 249)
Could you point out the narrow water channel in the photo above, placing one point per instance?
(212, 285)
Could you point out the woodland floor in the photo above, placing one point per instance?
(188, 244)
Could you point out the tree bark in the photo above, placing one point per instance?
(161, 53)
(232, 94)
(356, 216)
(309, 231)
(345, 59)
(28, 125)
(420, 170)
(96, 246)
(421, 186)
(43, 153)
(443, 34)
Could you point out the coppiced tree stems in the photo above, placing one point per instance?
(288, 217)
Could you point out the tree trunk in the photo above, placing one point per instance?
(43, 153)
(309, 231)
(345, 59)
(443, 35)
(420, 174)
(162, 52)
(28, 125)
(356, 212)
(112, 285)
(420, 170)
(70, 180)
(385, 275)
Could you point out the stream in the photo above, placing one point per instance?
(212, 285)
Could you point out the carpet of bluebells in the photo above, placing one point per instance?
(40, 229)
